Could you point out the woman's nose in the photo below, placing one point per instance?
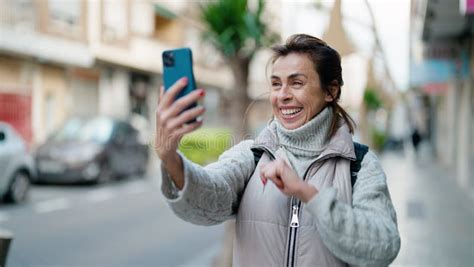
(284, 94)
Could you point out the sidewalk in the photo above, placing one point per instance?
(435, 217)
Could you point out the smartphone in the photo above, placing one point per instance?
(178, 63)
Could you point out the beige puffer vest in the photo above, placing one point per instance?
(264, 236)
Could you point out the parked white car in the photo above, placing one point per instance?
(16, 165)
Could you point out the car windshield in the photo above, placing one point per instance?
(95, 130)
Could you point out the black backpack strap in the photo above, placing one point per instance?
(360, 151)
(257, 154)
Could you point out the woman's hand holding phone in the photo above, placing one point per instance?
(172, 119)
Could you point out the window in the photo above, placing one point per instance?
(115, 21)
(139, 87)
(66, 18)
(18, 14)
(65, 13)
(167, 27)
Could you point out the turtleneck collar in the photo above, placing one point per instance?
(310, 139)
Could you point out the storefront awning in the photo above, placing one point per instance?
(45, 48)
(444, 19)
(164, 12)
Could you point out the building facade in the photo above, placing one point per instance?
(84, 58)
(442, 80)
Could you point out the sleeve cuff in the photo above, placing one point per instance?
(168, 187)
(321, 203)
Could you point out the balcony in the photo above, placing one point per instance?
(30, 29)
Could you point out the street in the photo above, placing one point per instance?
(126, 223)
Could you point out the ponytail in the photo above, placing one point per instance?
(340, 114)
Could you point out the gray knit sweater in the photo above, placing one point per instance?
(303, 144)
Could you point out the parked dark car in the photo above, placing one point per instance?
(93, 150)
(16, 165)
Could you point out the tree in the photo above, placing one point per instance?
(238, 33)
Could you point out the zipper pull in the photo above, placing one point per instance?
(294, 217)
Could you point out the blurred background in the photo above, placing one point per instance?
(79, 85)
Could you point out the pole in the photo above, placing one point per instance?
(5, 239)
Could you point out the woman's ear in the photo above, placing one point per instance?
(332, 92)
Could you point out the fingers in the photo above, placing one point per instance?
(169, 111)
(187, 128)
(162, 92)
(262, 175)
(181, 104)
(269, 172)
(177, 126)
(286, 180)
(280, 174)
(186, 116)
(277, 181)
(158, 105)
(170, 95)
(171, 121)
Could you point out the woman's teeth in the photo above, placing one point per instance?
(291, 111)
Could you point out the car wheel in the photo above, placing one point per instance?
(140, 170)
(105, 174)
(19, 187)
(142, 167)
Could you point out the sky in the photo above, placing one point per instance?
(392, 22)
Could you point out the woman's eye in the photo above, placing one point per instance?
(297, 84)
(276, 84)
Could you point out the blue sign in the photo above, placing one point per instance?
(438, 70)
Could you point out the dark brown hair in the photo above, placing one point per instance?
(327, 63)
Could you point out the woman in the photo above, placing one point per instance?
(296, 206)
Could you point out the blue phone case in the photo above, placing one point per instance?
(178, 63)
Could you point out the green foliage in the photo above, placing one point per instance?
(205, 145)
(234, 29)
(318, 5)
(378, 139)
(371, 99)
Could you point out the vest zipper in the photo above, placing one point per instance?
(294, 224)
(294, 217)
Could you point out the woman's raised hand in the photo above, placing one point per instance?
(287, 180)
(171, 119)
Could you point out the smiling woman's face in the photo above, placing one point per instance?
(296, 94)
